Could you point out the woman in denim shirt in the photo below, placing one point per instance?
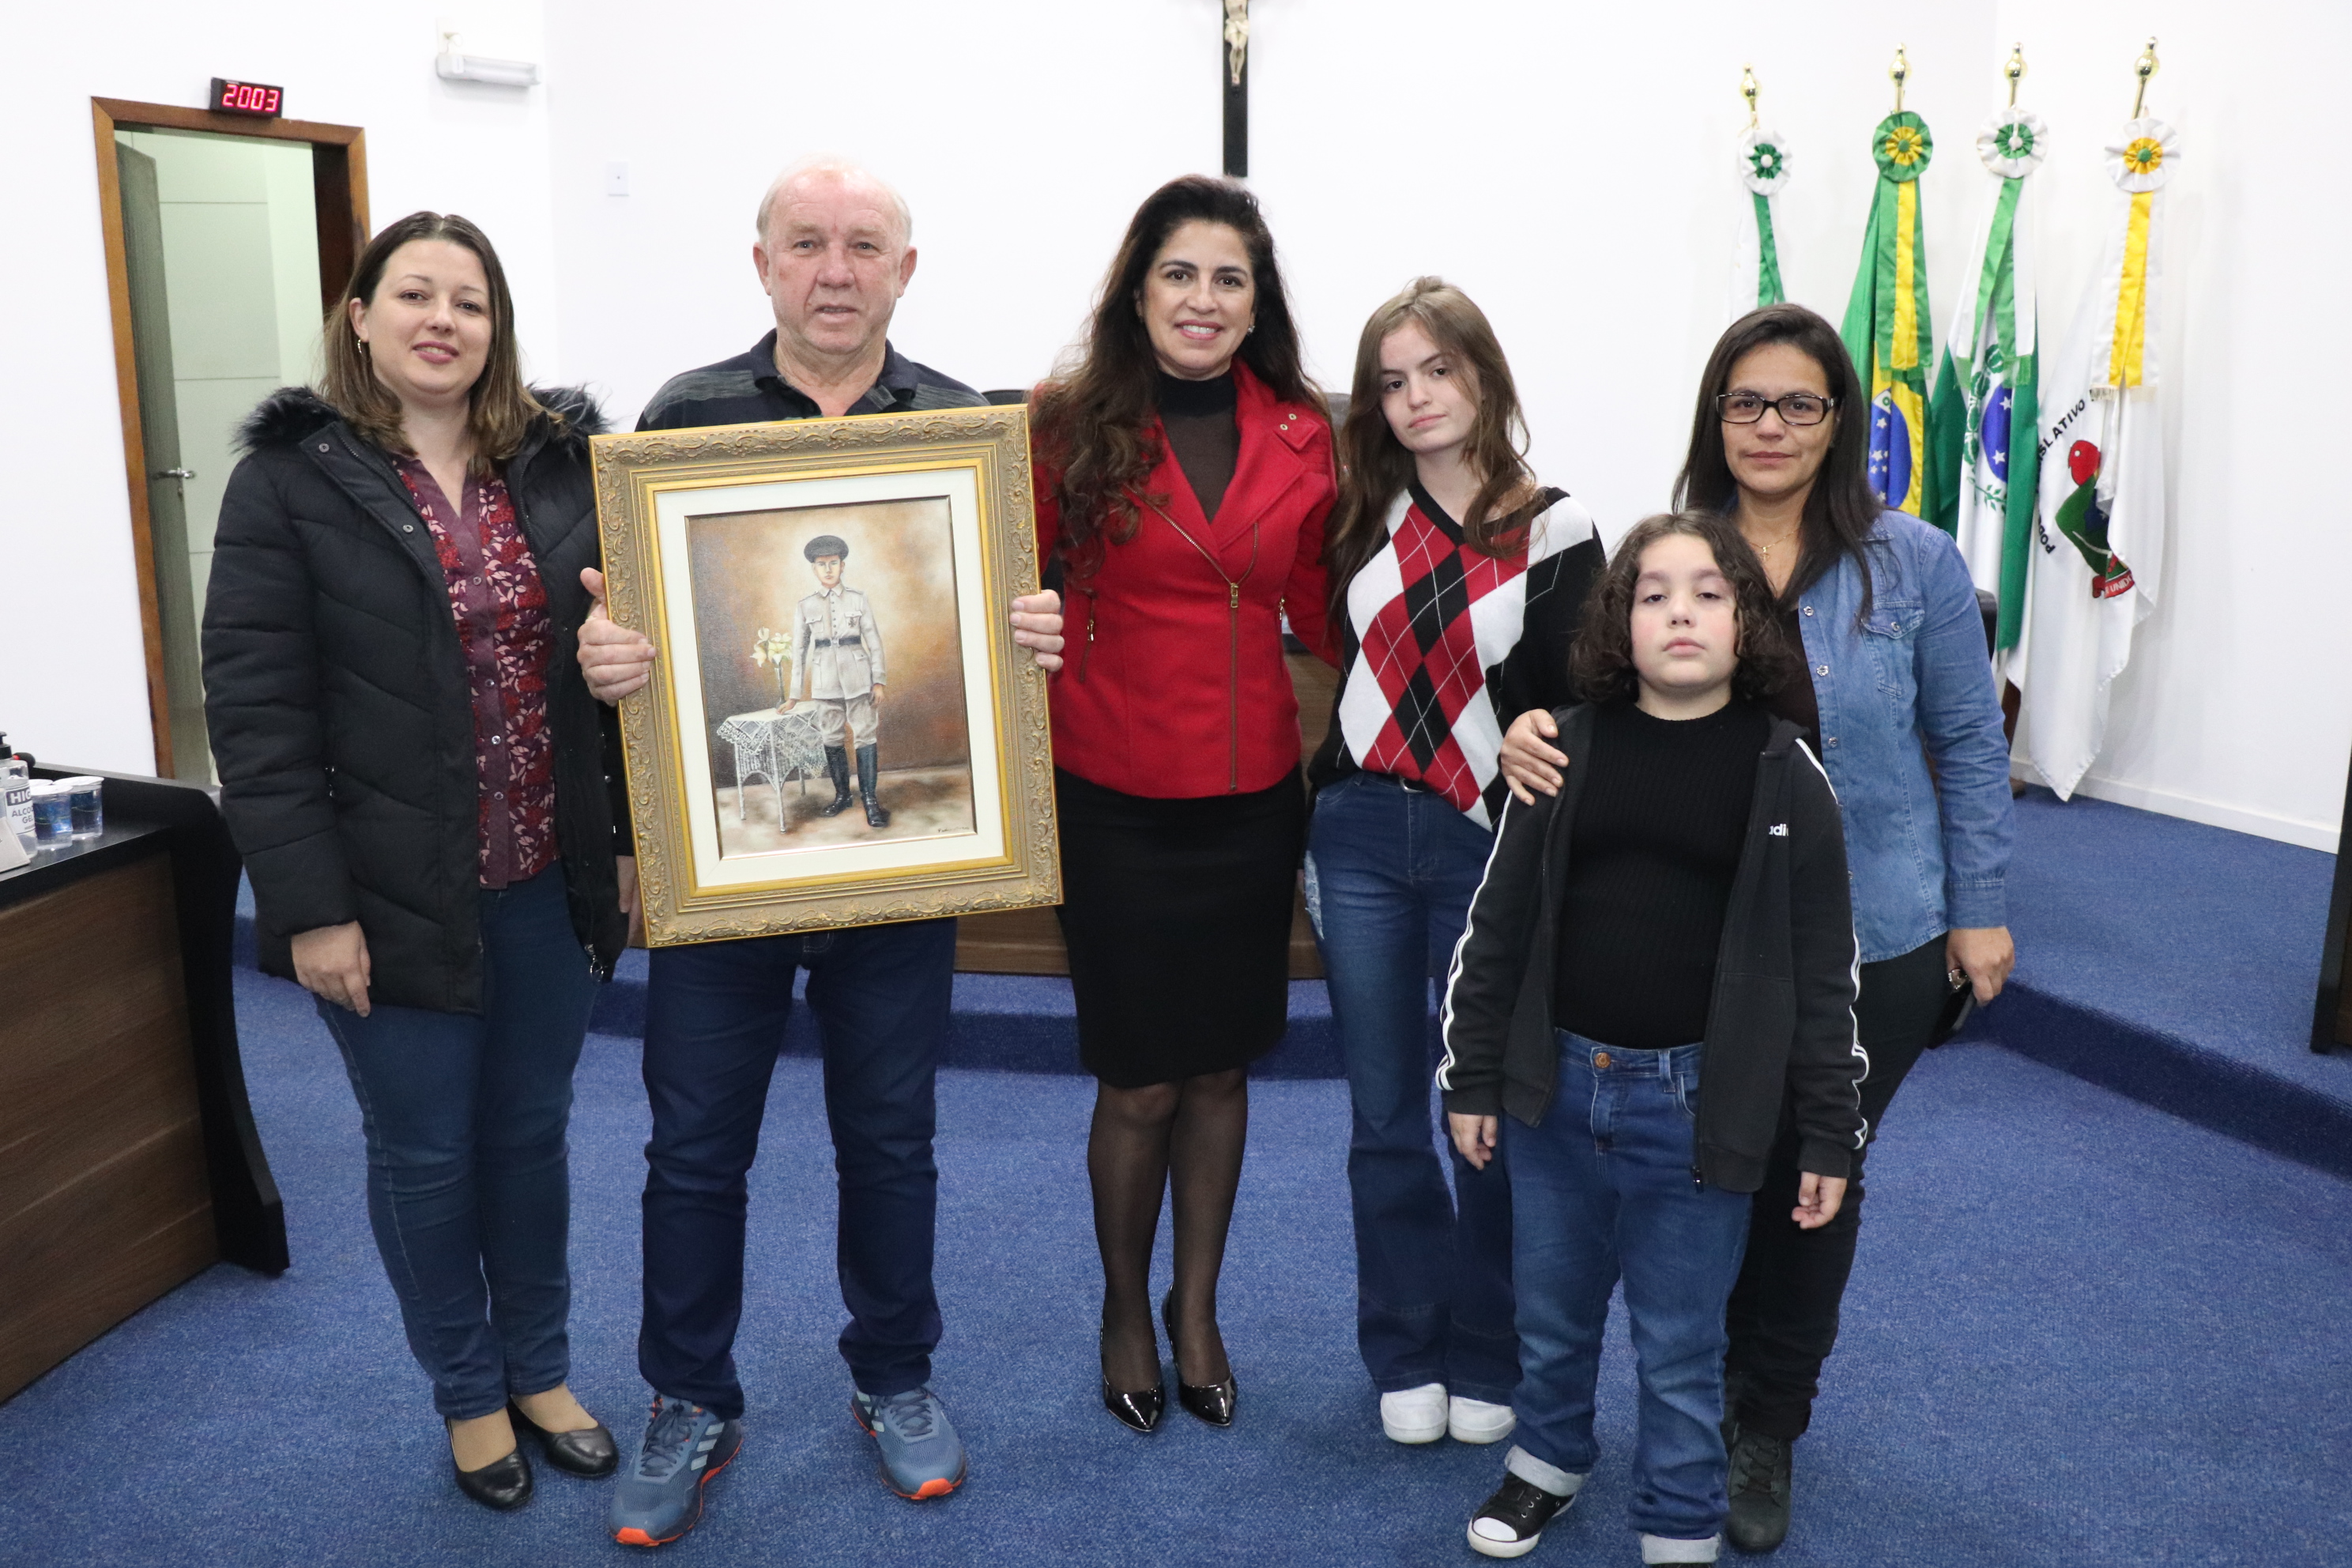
(1902, 709)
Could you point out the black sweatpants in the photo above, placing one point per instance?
(1784, 1312)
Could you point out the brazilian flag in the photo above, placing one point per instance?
(1886, 327)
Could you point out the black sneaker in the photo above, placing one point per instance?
(1734, 1385)
(1758, 1484)
(1510, 1523)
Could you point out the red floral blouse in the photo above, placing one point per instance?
(500, 605)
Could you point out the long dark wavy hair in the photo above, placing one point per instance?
(501, 406)
(1842, 509)
(1601, 661)
(1375, 466)
(1094, 423)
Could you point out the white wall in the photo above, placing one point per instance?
(1569, 165)
(2237, 709)
(72, 666)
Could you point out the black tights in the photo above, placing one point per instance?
(1183, 1138)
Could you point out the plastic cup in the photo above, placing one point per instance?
(87, 796)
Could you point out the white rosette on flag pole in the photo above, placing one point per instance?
(2098, 539)
(1755, 252)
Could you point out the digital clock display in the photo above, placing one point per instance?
(247, 98)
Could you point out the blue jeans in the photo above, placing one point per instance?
(1605, 1189)
(714, 1022)
(469, 1189)
(1393, 871)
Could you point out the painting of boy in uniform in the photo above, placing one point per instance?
(837, 665)
(793, 609)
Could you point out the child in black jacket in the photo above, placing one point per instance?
(1660, 957)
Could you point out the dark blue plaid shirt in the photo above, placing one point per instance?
(746, 390)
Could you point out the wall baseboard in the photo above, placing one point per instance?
(2318, 836)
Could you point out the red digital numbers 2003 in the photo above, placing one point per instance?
(245, 97)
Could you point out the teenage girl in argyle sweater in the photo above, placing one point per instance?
(1455, 581)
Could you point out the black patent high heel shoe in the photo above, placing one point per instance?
(502, 1484)
(1211, 1402)
(592, 1453)
(1140, 1410)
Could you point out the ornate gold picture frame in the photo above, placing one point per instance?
(840, 730)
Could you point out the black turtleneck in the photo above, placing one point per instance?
(1198, 418)
(1660, 820)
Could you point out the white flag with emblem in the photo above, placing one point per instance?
(2099, 538)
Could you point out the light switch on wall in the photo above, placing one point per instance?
(617, 179)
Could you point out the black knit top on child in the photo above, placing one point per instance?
(1653, 853)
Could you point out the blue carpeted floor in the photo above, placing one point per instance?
(2083, 1331)
(2178, 963)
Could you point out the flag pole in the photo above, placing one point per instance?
(2144, 67)
(1900, 71)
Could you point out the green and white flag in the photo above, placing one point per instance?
(1886, 329)
(1985, 389)
(1756, 254)
(2098, 541)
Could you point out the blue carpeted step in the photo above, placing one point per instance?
(1006, 1023)
(2171, 962)
(2178, 964)
(1010, 1023)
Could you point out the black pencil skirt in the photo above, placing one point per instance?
(1177, 915)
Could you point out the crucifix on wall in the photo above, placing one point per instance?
(1233, 69)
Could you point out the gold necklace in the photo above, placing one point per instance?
(1764, 552)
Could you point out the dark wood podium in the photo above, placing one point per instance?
(1029, 942)
(129, 1162)
(2331, 1016)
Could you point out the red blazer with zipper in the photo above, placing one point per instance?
(1172, 683)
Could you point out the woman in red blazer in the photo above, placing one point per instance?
(1183, 475)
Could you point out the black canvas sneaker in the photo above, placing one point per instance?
(1510, 1523)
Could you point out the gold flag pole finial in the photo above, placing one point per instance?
(2015, 71)
(1900, 70)
(2144, 67)
(1748, 90)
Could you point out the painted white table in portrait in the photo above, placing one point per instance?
(776, 747)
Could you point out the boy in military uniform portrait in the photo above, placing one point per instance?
(837, 665)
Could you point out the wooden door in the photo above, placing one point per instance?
(153, 468)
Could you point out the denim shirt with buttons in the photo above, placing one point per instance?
(1908, 683)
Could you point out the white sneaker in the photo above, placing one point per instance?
(1473, 1420)
(1414, 1414)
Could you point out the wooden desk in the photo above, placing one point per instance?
(1029, 942)
(129, 1161)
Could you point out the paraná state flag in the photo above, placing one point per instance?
(1886, 328)
(2098, 541)
(1986, 387)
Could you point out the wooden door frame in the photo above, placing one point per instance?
(339, 183)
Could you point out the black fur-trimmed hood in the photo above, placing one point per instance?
(292, 414)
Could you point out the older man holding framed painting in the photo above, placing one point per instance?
(834, 252)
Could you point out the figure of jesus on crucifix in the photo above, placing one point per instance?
(1236, 86)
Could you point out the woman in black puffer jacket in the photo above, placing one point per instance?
(414, 772)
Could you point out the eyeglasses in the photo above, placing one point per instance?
(1794, 408)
